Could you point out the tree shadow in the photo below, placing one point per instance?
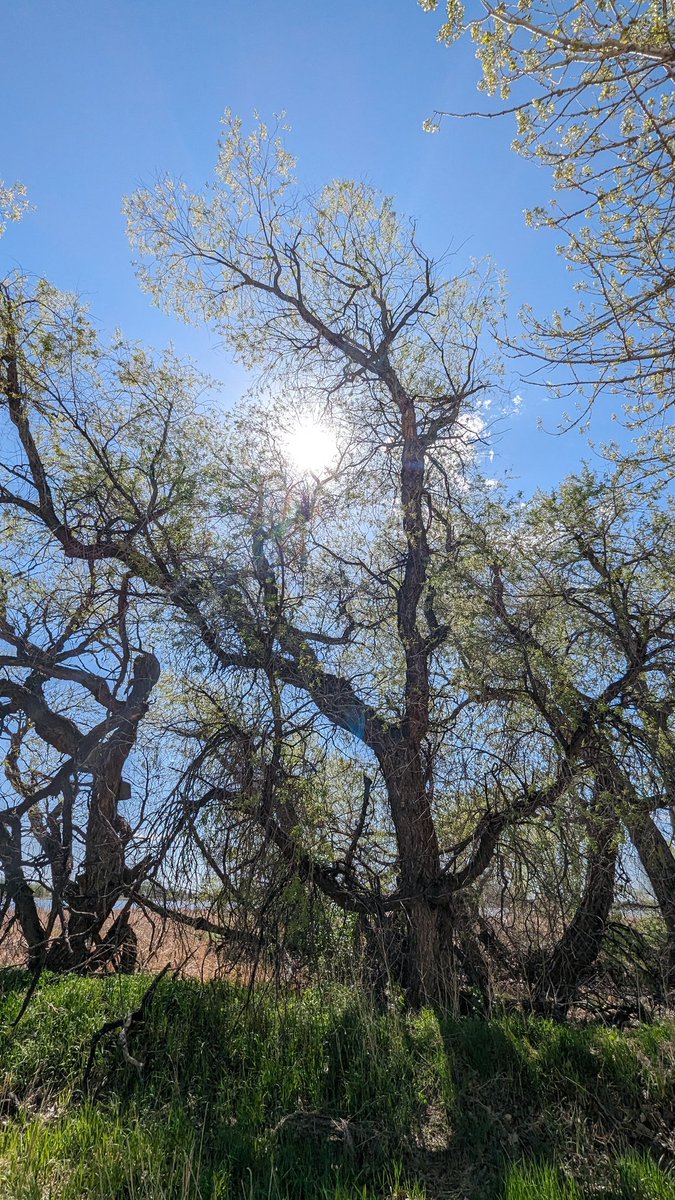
(532, 1096)
(316, 1098)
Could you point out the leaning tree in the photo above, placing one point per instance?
(77, 672)
(74, 690)
(573, 618)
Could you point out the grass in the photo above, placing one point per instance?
(322, 1097)
(631, 1177)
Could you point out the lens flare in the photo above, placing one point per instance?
(311, 447)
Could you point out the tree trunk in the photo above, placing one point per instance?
(20, 893)
(659, 864)
(101, 880)
(100, 883)
(419, 867)
(559, 978)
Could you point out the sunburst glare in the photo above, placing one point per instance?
(311, 447)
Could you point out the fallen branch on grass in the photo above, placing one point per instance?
(125, 1025)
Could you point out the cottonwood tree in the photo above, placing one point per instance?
(345, 611)
(623, 543)
(577, 593)
(591, 87)
(76, 675)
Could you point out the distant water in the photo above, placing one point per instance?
(44, 902)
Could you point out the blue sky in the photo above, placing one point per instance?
(100, 97)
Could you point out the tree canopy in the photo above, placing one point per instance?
(356, 675)
(591, 89)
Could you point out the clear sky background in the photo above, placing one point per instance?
(103, 95)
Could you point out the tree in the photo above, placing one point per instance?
(66, 659)
(75, 677)
(591, 86)
(581, 597)
(623, 535)
(330, 295)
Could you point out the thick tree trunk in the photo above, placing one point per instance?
(419, 866)
(423, 964)
(558, 979)
(658, 861)
(101, 880)
(99, 885)
(20, 893)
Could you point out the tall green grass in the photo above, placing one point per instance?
(322, 1097)
(630, 1177)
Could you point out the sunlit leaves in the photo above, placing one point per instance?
(591, 87)
(13, 203)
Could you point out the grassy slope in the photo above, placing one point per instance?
(320, 1097)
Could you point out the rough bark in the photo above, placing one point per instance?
(20, 893)
(658, 861)
(558, 979)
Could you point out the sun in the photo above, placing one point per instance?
(311, 447)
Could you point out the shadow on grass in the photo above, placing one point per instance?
(555, 1112)
(322, 1097)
